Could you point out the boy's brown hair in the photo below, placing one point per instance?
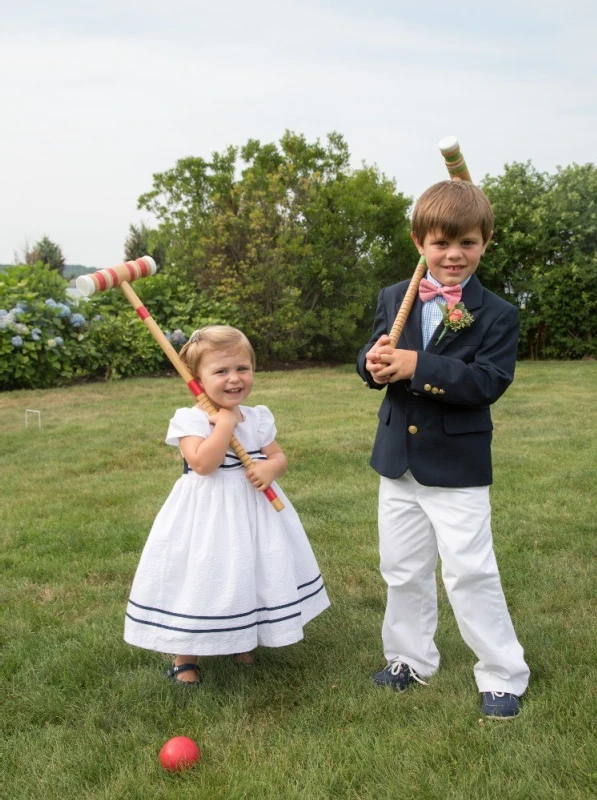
(452, 208)
(214, 337)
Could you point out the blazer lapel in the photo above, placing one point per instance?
(472, 297)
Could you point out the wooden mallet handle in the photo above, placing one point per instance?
(407, 302)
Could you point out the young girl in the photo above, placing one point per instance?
(222, 571)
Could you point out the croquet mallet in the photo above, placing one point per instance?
(122, 275)
(458, 170)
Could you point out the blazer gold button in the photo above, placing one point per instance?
(416, 394)
(427, 387)
(442, 391)
(413, 429)
(435, 390)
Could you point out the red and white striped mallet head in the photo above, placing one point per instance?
(113, 276)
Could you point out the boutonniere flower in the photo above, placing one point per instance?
(455, 318)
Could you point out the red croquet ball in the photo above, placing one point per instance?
(179, 753)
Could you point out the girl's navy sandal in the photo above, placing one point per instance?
(173, 671)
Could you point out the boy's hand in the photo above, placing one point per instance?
(261, 474)
(373, 364)
(390, 364)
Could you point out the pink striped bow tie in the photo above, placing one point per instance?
(428, 290)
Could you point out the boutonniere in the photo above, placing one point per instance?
(455, 318)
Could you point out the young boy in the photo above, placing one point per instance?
(433, 452)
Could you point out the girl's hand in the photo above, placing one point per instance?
(261, 474)
(204, 456)
(226, 416)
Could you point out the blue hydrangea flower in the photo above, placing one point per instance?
(97, 318)
(168, 335)
(22, 306)
(64, 310)
(59, 341)
(4, 323)
(16, 341)
(3, 312)
(36, 334)
(178, 338)
(16, 311)
(77, 320)
(51, 303)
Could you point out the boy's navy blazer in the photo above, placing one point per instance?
(438, 424)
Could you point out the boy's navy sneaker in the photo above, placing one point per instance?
(398, 675)
(500, 705)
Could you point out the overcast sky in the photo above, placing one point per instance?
(96, 98)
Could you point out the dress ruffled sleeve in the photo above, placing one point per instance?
(266, 426)
(187, 422)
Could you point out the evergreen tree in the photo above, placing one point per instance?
(46, 251)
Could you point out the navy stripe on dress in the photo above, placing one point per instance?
(232, 616)
(222, 630)
(256, 455)
(215, 630)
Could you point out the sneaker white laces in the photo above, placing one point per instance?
(397, 666)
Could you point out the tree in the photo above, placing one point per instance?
(143, 241)
(544, 256)
(564, 323)
(299, 240)
(518, 201)
(46, 251)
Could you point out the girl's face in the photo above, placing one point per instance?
(226, 376)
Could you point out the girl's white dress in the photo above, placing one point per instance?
(222, 571)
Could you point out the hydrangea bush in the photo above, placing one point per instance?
(48, 339)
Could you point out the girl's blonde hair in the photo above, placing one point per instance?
(214, 337)
(452, 208)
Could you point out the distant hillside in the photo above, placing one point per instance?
(69, 271)
(74, 270)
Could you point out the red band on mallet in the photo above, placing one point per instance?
(195, 387)
(142, 266)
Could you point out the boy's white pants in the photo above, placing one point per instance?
(415, 523)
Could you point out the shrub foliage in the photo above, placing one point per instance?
(289, 243)
(46, 339)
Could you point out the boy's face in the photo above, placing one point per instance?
(452, 261)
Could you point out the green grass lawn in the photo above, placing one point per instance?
(85, 715)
